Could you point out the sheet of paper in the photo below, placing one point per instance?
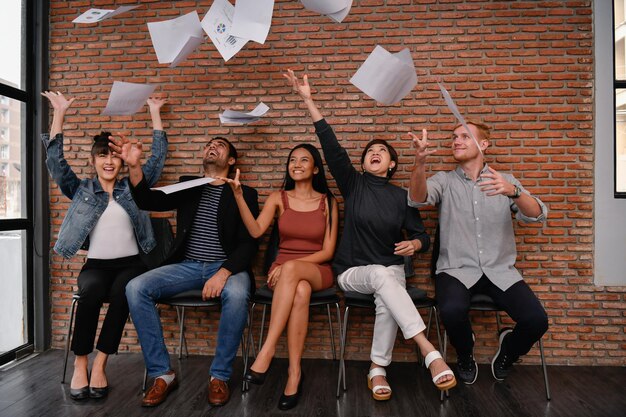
(217, 23)
(341, 14)
(386, 77)
(169, 189)
(127, 98)
(455, 111)
(169, 37)
(335, 9)
(98, 15)
(252, 19)
(232, 116)
(190, 46)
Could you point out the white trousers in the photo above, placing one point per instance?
(394, 307)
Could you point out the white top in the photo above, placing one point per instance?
(113, 236)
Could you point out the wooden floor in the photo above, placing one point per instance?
(32, 388)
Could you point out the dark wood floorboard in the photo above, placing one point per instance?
(33, 388)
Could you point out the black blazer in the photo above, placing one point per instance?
(239, 246)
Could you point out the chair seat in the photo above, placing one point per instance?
(483, 302)
(191, 298)
(418, 296)
(264, 296)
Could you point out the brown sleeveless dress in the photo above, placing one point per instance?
(301, 234)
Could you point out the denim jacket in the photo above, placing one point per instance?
(89, 200)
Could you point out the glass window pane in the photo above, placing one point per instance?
(12, 46)
(13, 297)
(12, 182)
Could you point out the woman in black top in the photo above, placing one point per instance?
(369, 259)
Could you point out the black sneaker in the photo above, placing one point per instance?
(502, 361)
(467, 369)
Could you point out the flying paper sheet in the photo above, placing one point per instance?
(231, 116)
(98, 15)
(335, 9)
(386, 77)
(127, 98)
(170, 37)
(169, 189)
(188, 48)
(217, 23)
(455, 111)
(252, 19)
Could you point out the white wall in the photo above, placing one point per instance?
(609, 212)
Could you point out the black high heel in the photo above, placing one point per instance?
(257, 378)
(79, 394)
(98, 393)
(287, 402)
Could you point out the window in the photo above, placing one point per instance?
(619, 85)
(22, 23)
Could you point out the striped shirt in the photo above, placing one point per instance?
(203, 243)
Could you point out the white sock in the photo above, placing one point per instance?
(168, 378)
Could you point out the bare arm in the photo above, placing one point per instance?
(497, 184)
(256, 227)
(155, 104)
(418, 190)
(60, 105)
(304, 91)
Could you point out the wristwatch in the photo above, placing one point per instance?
(517, 193)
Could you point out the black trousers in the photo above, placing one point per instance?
(99, 281)
(519, 302)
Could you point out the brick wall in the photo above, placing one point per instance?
(524, 67)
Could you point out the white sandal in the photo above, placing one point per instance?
(378, 372)
(446, 385)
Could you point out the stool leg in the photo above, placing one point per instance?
(67, 339)
(180, 312)
(332, 336)
(145, 379)
(545, 370)
(342, 368)
(262, 327)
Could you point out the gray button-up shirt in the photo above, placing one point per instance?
(476, 231)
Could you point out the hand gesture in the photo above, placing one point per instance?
(235, 184)
(496, 184)
(421, 147)
(404, 248)
(58, 100)
(129, 152)
(303, 89)
(155, 103)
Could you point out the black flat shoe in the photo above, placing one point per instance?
(287, 402)
(257, 378)
(98, 393)
(79, 394)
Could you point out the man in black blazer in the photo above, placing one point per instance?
(212, 251)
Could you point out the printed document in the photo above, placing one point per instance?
(218, 23)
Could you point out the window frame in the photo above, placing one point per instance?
(35, 223)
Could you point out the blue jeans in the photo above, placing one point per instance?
(145, 290)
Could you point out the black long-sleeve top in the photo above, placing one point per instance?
(376, 213)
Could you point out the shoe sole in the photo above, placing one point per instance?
(493, 361)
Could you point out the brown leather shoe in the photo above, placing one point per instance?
(158, 391)
(219, 394)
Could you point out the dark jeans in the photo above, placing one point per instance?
(99, 281)
(519, 302)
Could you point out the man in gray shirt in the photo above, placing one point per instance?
(477, 244)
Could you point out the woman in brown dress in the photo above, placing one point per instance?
(307, 223)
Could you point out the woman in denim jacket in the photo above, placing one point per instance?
(104, 219)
